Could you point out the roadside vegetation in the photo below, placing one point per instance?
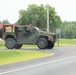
(2, 43)
(66, 41)
(12, 56)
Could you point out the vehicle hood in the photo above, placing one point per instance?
(46, 33)
(52, 36)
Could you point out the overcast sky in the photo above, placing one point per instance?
(66, 9)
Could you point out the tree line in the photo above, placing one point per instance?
(68, 30)
(5, 22)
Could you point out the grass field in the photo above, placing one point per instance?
(67, 41)
(12, 56)
(2, 43)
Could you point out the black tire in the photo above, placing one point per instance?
(42, 43)
(18, 46)
(50, 45)
(10, 43)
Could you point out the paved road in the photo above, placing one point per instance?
(62, 63)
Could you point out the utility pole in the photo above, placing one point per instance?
(47, 17)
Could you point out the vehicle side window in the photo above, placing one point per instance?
(27, 29)
(20, 29)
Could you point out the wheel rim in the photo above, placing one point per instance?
(41, 44)
(10, 43)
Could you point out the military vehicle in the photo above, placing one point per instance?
(16, 36)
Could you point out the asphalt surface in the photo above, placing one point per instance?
(63, 62)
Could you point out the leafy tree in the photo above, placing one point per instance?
(36, 15)
(55, 21)
(68, 30)
(22, 17)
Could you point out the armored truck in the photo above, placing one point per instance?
(16, 36)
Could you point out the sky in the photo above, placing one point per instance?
(9, 9)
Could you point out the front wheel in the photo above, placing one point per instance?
(50, 45)
(10, 43)
(18, 46)
(42, 43)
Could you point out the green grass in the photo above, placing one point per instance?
(67, 41)
(2, 43)
(12, 56)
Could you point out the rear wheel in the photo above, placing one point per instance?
(50, 45)
(18, 46)
(42, 43)
(10, 43)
